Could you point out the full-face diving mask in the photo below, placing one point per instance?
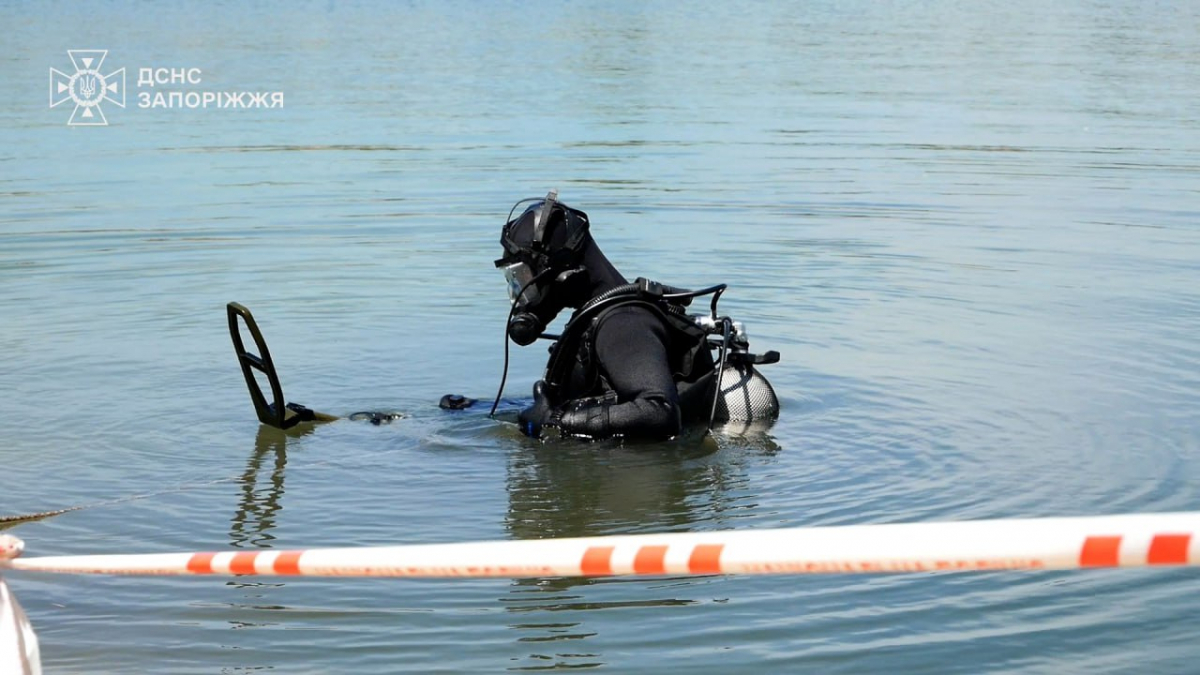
(526, 263)
(520, 278)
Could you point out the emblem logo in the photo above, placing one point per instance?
(88, 87)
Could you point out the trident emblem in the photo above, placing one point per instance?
(87, 87)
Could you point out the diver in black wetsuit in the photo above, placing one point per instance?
(630, 362)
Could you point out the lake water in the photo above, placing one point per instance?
(971, 231)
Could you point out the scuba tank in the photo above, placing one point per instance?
(741, 393)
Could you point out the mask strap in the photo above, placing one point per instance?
(542, 219)
(578, 234)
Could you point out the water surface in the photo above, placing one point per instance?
(970, 231)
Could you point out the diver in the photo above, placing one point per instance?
(630, 362)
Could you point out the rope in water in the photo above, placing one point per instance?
(11, 520)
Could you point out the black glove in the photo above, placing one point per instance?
(540, 416)
(587, 417)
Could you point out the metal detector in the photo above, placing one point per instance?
(277, 413)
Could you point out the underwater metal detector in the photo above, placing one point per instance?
(278, 413)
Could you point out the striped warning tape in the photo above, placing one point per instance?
(1048, 543)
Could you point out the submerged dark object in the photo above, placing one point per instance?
(455, 402)
(375, 417)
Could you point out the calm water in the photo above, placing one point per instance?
(971, 233)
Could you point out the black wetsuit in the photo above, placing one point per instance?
(624, 374)
(631, 388)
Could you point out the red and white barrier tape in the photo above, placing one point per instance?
(1045, 544)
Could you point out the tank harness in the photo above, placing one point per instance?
(572, 371)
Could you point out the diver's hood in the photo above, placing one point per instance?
(543, 264)
(548, 236)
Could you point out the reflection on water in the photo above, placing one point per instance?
(261, 499)
(259, 504)
(568, 489)
(562, 489)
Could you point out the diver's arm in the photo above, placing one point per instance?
(651, 417)
(631, 347)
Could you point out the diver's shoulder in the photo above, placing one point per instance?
(627, 321)
(631, 312)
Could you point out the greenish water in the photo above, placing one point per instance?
(970, 230)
